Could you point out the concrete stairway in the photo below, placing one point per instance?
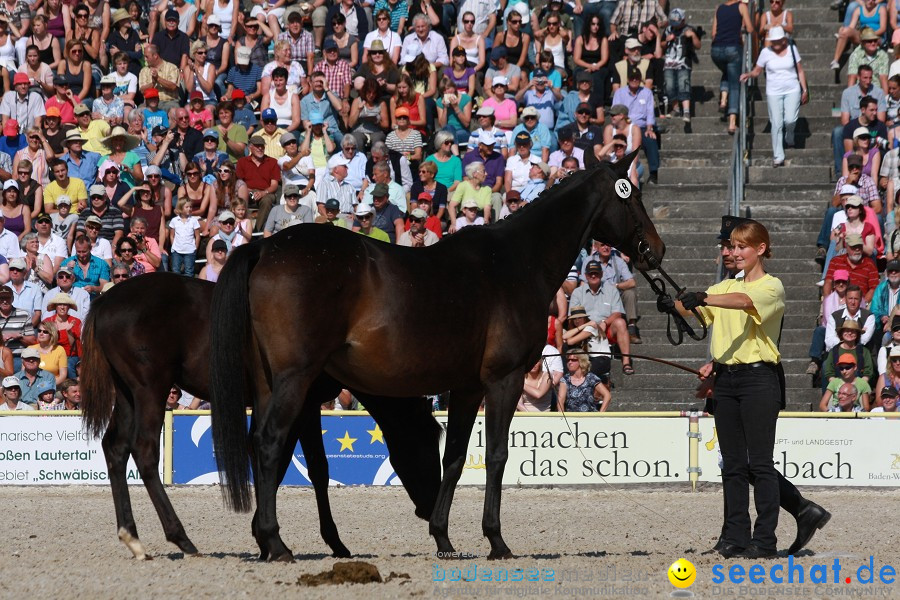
(691, 197)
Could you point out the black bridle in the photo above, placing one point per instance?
(659, 287)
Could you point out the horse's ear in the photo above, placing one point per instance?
(590, 160)
(623, 166)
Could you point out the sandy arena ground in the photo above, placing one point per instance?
(61, 541)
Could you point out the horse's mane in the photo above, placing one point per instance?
(573, 180)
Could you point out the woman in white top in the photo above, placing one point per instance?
(786, 89)
(280, 99)
(226, 13)
(776, 16)
(472, 43)
(392, 42)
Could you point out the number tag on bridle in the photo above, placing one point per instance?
(623, 188)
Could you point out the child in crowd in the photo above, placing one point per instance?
(64, 220)
(153, 115)
(243, 224)
(126, 82)
(108, 107)
(201, 116)
(184, 237)
(243, 115)
(470, 215)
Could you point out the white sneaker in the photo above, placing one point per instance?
(820, 283)
(835, 64)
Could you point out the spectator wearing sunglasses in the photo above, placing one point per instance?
(847, 392)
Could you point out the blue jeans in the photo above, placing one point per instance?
(837, 146)
(728, 60)
(817, 344)
(460, 135)
(678, 85)
(825, 231)
(784, 110)
(651, 150)
(183, 260)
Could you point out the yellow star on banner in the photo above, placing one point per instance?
(346, 442)
(377, 435)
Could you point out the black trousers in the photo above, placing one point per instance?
(746, 415)
(789, 497)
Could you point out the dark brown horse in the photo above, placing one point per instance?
(150, 332)
(313, 300)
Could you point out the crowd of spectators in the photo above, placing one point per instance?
(852, 353)
(144, 136)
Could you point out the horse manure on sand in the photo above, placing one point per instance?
(349, 572)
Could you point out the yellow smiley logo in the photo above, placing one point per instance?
(682, 573)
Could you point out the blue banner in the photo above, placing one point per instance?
(354, 445)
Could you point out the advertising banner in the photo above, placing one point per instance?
(833, 452)
(542, 451)
(354, 445)
(53, 451)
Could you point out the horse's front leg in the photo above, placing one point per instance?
(500, 406)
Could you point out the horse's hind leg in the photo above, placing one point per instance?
(116, 448)
(317, 464)
(460, 418)
(146, 457)
(272, 433)
(500, 407)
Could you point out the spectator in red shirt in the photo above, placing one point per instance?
(862, 270)
(262, 175)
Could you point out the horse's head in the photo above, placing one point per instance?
(413, 440)
(621, 218)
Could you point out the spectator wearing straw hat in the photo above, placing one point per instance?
(81, 163)
(65, 279)
(850, 333)
(869, 52)
(22, 104)
(12, 395)
(542, 140)
(851, 311)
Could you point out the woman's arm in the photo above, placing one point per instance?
(295, 113)
(826, 399)
(601, 392)
(561, 397)
(464, 116)
(481, 60)
(86, 69)
(26, 218)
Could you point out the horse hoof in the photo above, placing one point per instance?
(500, 554)
(286, 557)
(134, 544)
(341, 552)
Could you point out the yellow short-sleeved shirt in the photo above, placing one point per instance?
(743, 337)
(53, 361)
(76, 192)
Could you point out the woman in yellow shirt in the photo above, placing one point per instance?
(53, 356)
(746, 314)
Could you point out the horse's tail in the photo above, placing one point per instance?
(229, 385)
(97, 387)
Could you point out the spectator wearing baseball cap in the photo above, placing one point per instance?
(863, 271)
(12, 395)
(365, 223)
(338, 72)
(298, 170)
(541, 98)
(433, 191)
(32, 378)
(417, 235)
(210, 158)
(487, 153)
(244, 75)
(518, 165)
(542, 140)
(333, 185)
(425, 202)
(505, 109)
(22, 103)
(487, 119)
(501, 65)
(271, 133)
(289, 213)
(112, 223)
(174, 41)
(329, 214)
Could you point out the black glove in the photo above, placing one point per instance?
(665, 304)
(691, 300)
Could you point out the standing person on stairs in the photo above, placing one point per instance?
(786, 89)
(727, 52)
